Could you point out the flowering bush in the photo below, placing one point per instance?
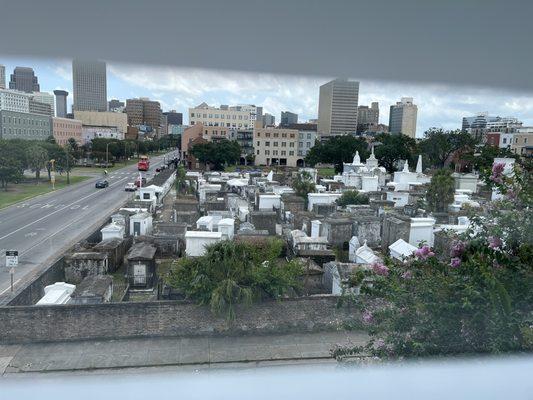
(477, 299)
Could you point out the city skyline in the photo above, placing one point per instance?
(180, 88)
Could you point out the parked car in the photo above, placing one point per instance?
(158, 169)
(130, 187)
(101, 184)
(138, 182)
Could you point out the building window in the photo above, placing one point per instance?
(276, 134)
(192, 114)
(258, 143)
(283, 144)
(275, 153)
(267, 144)
(291, 144)
(291, 153)
(293, 135)
(257, 152)
(301, 144)
(283, 135)
(275, 144)
(308, 145)
(283, 153)
(267, 152)
(308, 136)
(267, 134)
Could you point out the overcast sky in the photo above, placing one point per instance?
(180, 88)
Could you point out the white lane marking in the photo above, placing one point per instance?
(85, 208)
(47, 205)
(35, 205)
(9, 287)
(30, 234)
(52, 213)
(75, 207)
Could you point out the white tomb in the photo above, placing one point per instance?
(58, 293)
(196, 242)
(141, 224)
(421, 230)
(112, 230)
(401, 250)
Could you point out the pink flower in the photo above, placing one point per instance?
(497, 169)
(379, 344)
(495, 242)
(424, 252)
(368, 318)
(380, 269)
(457, 249)
(407, 275)
(455, 262)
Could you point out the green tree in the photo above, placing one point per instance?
(218, 154)
(337, 150)
(441, 190)
(303, 184)
(438, 145)
(65, 161)
(36, 159)
(393, 148)
(352, 197)
(483, 158)
(11, 162)
(235, 272)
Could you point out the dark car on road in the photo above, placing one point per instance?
(101, 184)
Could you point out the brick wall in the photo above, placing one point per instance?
(166, 318)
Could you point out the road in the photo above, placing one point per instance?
(45, 226)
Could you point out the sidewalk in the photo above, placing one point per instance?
(153, 352)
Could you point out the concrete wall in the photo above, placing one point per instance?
(167, 318)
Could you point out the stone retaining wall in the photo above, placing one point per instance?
(167, 318)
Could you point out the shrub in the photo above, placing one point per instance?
(235, 272)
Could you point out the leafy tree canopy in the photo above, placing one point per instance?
(393, 148)
(438, 145)
(337, 150)
(219, 153)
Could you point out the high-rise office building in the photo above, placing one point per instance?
(143, 111)
(2, 77)
(43, 98)
(367, 117)
(402, 117)
(90, 85)
(24, 79)
(288, 118)
(61, 103)
(337, 107)
(174, 118)
(268, 120)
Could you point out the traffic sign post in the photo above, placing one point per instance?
(12, 260)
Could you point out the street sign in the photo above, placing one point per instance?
(12, 258)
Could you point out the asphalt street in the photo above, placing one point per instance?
(45, 226)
